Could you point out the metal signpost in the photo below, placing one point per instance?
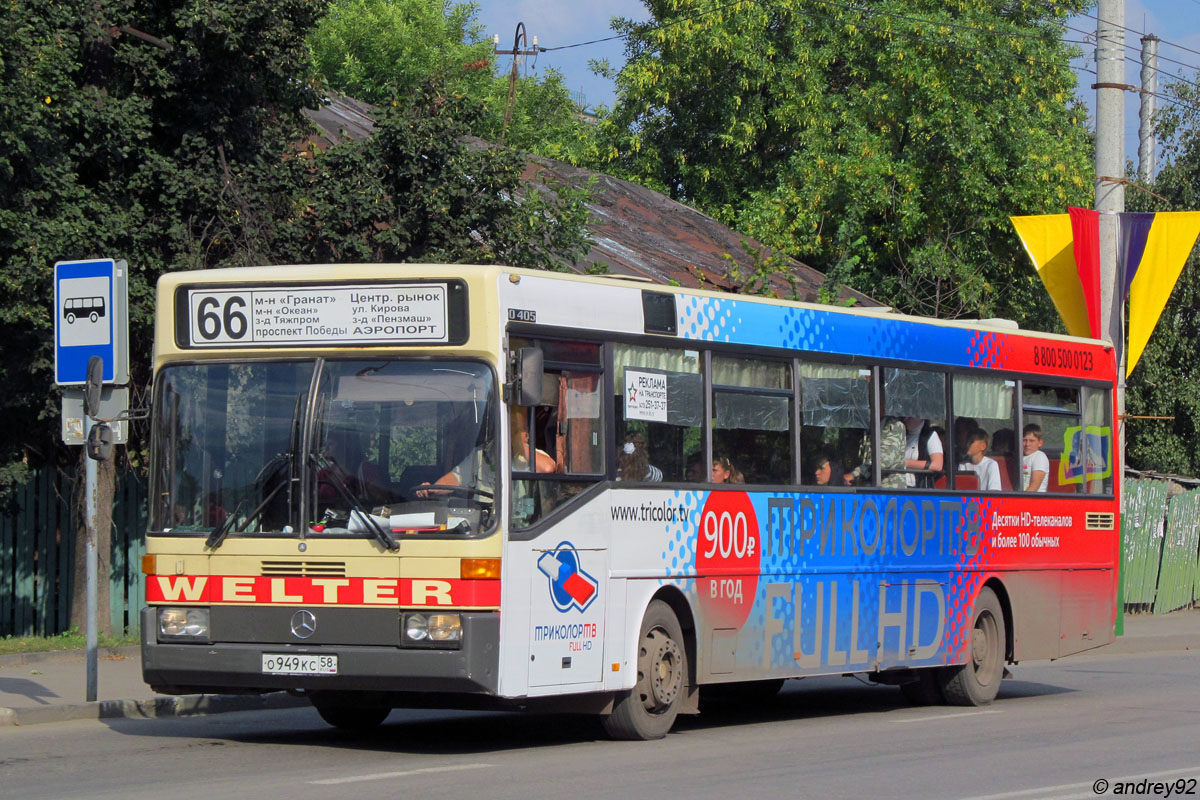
(91, 348)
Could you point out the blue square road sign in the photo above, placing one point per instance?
(90, 319)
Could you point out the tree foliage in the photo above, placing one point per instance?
(1166, 380)
(884, 145)
(168, 133)
(381, 50)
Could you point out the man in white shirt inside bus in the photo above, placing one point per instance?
(1035, 467)
(986, 468)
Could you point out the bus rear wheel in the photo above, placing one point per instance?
(352, 718)
(650, 709)
(977, 682)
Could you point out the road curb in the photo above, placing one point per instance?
(51, 656)
(186, 705)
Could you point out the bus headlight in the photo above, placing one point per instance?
(424, 629)
(183, 623)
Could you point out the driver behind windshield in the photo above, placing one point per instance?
(470, 454)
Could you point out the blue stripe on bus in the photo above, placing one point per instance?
(720, 320)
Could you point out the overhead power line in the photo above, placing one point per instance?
(874, 12)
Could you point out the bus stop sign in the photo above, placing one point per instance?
(90, 319)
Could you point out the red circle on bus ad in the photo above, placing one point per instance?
(728, 553)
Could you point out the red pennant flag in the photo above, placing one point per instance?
(1085, 229)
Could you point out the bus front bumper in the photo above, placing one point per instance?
(237, 666)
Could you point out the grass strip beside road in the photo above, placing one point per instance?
(71, 640)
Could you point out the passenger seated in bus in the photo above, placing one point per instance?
(985, 468)
(922, 450)
(1035, 466)
(891, 456)
(824, 469)
(519, 434)
(963, 428)
(723, 471)
(633, 463)
(695, 469)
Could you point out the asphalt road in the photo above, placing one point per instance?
(1056, 730)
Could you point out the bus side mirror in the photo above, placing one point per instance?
(526, 367)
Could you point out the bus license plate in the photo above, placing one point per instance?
(289, 664)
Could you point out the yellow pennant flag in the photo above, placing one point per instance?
(1168, 244)
(1049, 241)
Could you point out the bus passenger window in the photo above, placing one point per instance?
(1097, 417)
(752, 414)
(1055, 411)
(835, 416)
(561, 437)
(918, 398)
(660, 398)
(986, 404)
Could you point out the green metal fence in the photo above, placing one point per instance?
(38, 538)
(1160, 526)
(1177, 576)
(1142, 521)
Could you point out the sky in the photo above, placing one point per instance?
(557, 23)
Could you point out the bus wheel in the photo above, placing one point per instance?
(353, 718)
(977, 682)
(70, 319)
(93, 317)
(924, 691)
(649, 710)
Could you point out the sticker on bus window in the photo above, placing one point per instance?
(1085, 456)
(645, 396)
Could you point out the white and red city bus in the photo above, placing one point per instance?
(483, 487)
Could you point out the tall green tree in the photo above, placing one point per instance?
(1166, 380)
(884, 144)
(120, 122)
(380, 50)
(167, 133)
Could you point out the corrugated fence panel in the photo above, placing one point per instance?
(1177, 574)
(1141, 530)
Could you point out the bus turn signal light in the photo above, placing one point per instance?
(148, 564)
(480, 569)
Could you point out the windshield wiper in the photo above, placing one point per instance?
(221, 531)
(355, 505)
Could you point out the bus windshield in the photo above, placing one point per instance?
(379, 448)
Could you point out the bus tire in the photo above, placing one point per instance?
(649, 710)
(976, 682)
(353, 718)
(70, 319)
(925, 690)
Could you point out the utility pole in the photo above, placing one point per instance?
(1110, 89)
(1149, 105)
(519, 40)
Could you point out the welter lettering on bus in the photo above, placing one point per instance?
(304, 535)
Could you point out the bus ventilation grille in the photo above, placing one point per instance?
(1101, 520)
(305, 569)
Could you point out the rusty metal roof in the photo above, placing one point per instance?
(633, 230)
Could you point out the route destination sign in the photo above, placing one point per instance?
(303, 316)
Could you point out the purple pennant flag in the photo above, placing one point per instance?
(1135, 228)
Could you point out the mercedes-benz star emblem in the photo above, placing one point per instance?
(304, 624)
